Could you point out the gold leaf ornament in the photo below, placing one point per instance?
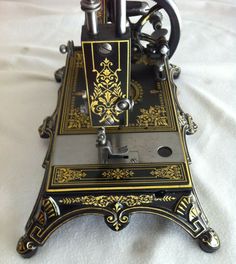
(107, 92)
(65, 175)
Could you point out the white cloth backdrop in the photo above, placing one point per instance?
(30, 33)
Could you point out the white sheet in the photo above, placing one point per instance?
(31, 32)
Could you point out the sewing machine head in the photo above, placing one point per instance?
(112, 45)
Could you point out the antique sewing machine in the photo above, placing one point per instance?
(117, 137)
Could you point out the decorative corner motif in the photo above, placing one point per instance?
(154, 116)
(48, 210)
(172, 172)
(118, 174)
(187, 205)
(78, 120)
(65, 175)
(107, 92)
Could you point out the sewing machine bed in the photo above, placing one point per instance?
(157, 156)
(152, 177)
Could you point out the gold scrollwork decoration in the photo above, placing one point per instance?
(65, 175)
(117, 220)
(154, 116)
(78, 120)
(104, 201)
(117, 174)
(171, 172)
(107, 92)
(136, 91)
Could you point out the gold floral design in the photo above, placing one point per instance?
(154, 116)
(118, 174)
(107, 92)
(64, 175)
(103, 201)
(78, 119)
(172, 172)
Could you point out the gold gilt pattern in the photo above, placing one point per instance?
(107, 91)
(171, 172)
(64, 175)
(118, 174)
(117, 220)
(154, 116)
(78, 120)
(103, 201)
(49, 210)
(188, 205)
(79, 61)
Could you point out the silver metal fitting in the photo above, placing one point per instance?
(120, 16)
(164, 50)
(124, 104)
(63, 49)
(91, 7)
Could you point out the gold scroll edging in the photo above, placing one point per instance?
(172, 172)
(104, 201)
(65, 175)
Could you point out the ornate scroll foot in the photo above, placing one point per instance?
(209, 241)
(45, 130)
(26, 247)
(186, 121)
(59, 74)
(176, 71)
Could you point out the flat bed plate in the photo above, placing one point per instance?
(153, 123)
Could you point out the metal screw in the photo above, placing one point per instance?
(123, 105)
(63, 49)
(110, 121)
(105, 48)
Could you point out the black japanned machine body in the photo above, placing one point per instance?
(117, 137)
